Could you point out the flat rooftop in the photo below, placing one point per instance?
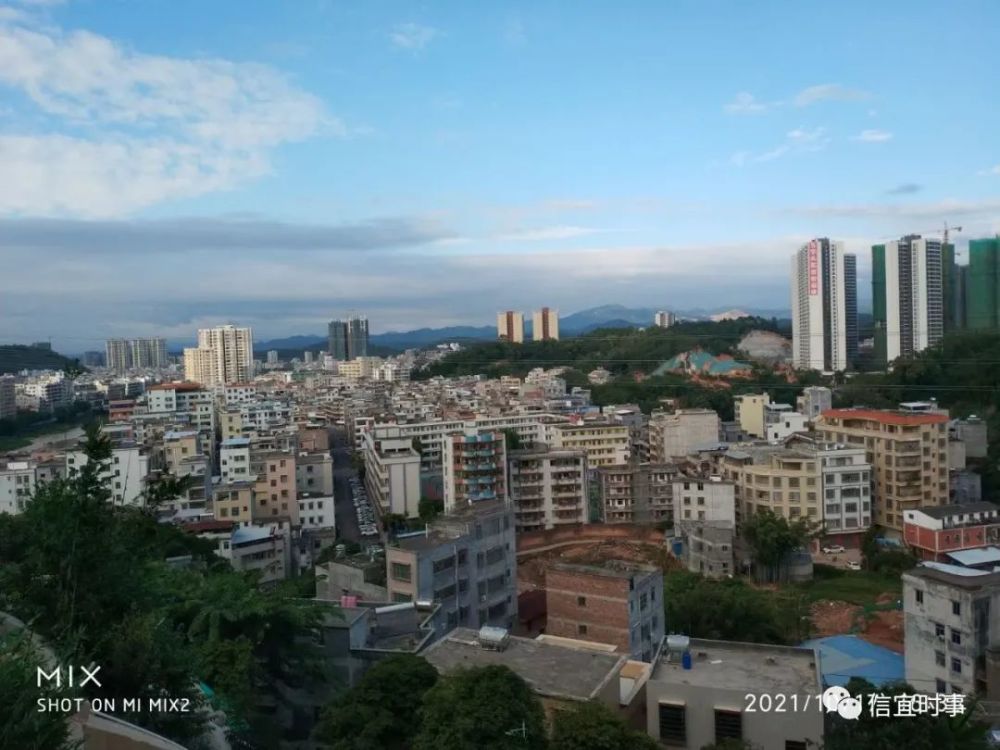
(606, 568)
(553, 671)
(752, 667)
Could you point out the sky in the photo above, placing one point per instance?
(167, 165)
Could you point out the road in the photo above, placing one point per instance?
(343, 470)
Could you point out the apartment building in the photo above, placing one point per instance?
(545, 325)
(233, 501)
(951, 630)
(224, 355)
(813, 401)
(316, 511)
(784, 424)
(703, 499)
(908, 452)
(664, 319)
(749, 413)
(234, 460)
(182, 454)
(8, 397)
(275, 495)
(123, 355)
(474, 468)
(392, 474)
(465, 560)
(314, 473)
(263, 550)
(706, 703)
(510, 326)
(606, 443)
(619, 603)
(348, 339)
(681, 433)
(934, 533)
(824, 306)
(126, 473)
(637, 493)
(18, 480)
(549, 488)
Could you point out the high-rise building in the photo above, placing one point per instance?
(952, 290)
(510, 326)
(664, 319)
(824, 306)
(128, 354)
(549, 488)
(348, 339)
(8, 398)
(545, 325)
(272, 357)
(223, 355)
(907, 296)
(982, 300)
(93, 359)
(474, 468)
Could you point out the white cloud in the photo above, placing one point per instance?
(547, 233)
(940, 210)
(413, 36)
(828, 92)
(873, 136)
(798, 140)
(745, 103)
(993, 170)
(156, 127)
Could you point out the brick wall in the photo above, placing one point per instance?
(604, 611)
(536, 539)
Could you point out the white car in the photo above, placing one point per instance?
(851, 565)
(835, 549)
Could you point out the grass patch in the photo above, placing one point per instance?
(859, 587)
(13, 443)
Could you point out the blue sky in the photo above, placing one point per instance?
(173, 164)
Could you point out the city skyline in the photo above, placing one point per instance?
(466, 193)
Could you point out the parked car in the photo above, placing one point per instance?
(852, 565)
(833, 549)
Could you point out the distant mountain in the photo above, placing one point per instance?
(291, 342)
(14, 358)
(604, 316)
(431, 336)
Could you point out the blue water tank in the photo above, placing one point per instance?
(686, 660)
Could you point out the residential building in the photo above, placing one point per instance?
(749, 413)
(907, 296)
(126, 472)
(316, 511)
(224, 355)
(951, 630)
(275, 492)
(466, 560)
(123, 355)
(43, 393)
(786, 424)
(263, 550)
(545, 325)
(474, 468)
(813, 401)
(314, 473)
(908, 453)
(934, 532)
(233, 501)
(549, 488)
(619, 603)
(606, 443)
(982, 302)
(8, 397)
(510, 326)
(183, 455)
(822, 308)
(272, 357)
(707, 547)
(706, 703)
(234, 460)
(361, 575)
(972, 431)
(637, 493)
(392, 474)
(18, 480)
(664, 319)
(709, 498)
(681, 433)
(348, 339)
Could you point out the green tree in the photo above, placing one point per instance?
(512, 439)
(430, 509)
(382, 710)
(731, 744)
(489, 708)
(921, 732)
(593, 726)
(772, 538)
(726, 610)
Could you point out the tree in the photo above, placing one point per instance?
(726, 610)
(513, 439)
(593, 726)
(920, 732)
(488, 708)
(772, 538)
(731, 744)
(429, 508)
(382, 710)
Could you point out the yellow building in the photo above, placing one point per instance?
(233, 501)
(750, 413)
(605, 443)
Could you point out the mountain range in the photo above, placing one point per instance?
(584, 321)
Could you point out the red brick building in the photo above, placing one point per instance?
(618, 603)
(933, 532)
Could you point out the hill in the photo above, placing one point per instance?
(14, 358)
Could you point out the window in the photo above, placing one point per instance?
(956, 666)
(939, 658)
(581, 629)
(919, 596)
(581, 601)
(400, 572)
(956, 637)
(941, 686)
(956, 608)
(728, 725)
(673, 724)
(939, 630)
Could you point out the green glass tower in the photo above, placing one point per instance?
(982, 295)
(953, 289)
(878, 303)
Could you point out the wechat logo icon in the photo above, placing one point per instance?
(837, 698)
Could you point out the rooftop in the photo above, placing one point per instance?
(607, 568)
(901, 418)
(182, 386)
(845, 656)
(978, 556)
(954, 575)
(944, 511)
(555, 671)
(750, 667)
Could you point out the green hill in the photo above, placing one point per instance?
(14, 358)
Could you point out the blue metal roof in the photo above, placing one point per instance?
(845, 656)
(978, 556)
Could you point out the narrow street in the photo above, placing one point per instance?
(343, 470)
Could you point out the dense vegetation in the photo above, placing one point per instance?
(14, 358)
(91, 579)
(17, 432)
